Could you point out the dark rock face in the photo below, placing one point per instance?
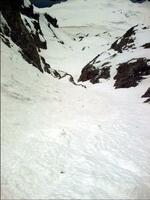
(28, 11)
(147, 95)
(147, 100)
(146, 46)
(19, 33)
(49, 70)
(51, 20)
(38, 42)
(36, 35)
(89, 72)
(131, 72)
(125, 42)
(4, 33)
(103, 73)
(137, 1)
(15, 5)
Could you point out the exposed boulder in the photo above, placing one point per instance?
(131, 72)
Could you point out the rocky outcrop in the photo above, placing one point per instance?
(147, 95)
(4, 33)
(146, 45)
(94, 74)
(40, 44)
(59, 73)
(28, 11)
(51, 20)
(49, 70)
(89, 72)
(18, 32)
(131, 72)
(138, 1)
(125, 42)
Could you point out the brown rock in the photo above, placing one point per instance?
(131, 72)
(146, 46)
(19, 33)
(125, 42)
(88, 72)
(147, 93)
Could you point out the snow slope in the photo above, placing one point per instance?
(98, 22)
(61, 141)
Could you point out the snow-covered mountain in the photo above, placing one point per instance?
(75, 141)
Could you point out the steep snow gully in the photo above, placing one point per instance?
(59, 141)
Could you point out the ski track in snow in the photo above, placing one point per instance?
(60, 141)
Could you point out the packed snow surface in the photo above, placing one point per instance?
(61, 141)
